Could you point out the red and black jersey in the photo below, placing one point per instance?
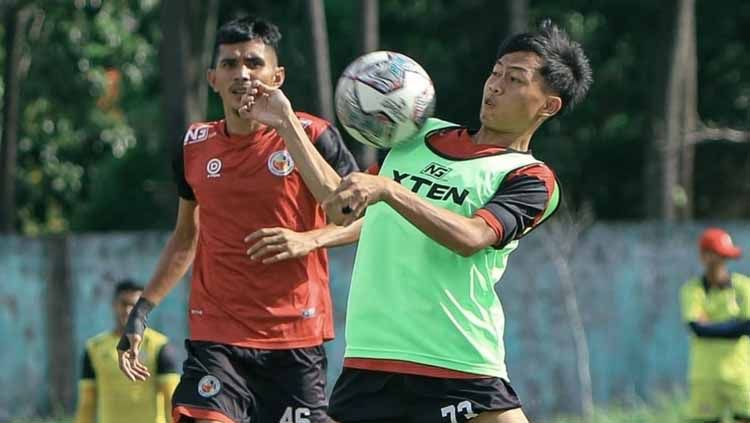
(242, 184)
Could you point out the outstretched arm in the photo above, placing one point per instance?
(176, 258)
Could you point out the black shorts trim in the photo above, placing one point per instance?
(365, 395)
(248, 384)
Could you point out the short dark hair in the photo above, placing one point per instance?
(565, 67)
(246, 29)
(126, 285)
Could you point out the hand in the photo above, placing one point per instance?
(128, 359)
(354, 194)
(265, 104)
(277, 244)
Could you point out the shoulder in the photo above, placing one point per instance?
(692, 285)
(201, 131)
(313, 125)
(537, 169)
(98, 339)
(156, 338)
(741, 281)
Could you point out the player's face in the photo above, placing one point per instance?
(515, 95)
(240, 63)
(122, 305)
(712, 260)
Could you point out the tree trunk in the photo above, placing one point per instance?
(669, 168)
(564, 233)
(518, 16)
(370, 19)
(15, 20)
(189, 28)
(321, 58)
(689, 109)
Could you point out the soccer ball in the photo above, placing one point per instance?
(383, 98)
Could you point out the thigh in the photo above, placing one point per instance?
(705, 401)
(364, 396)
(212, 386)
(291, 385)
(461, 400)
(515, 415)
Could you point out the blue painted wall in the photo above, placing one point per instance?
(627, 283)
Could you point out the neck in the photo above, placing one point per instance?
(518, 142)
(239, 126)
(717, 275)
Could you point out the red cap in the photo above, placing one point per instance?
(718, 241)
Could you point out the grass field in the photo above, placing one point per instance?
(666, 410)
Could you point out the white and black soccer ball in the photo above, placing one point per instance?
(383, 98)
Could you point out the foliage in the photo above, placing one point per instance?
(92, 155)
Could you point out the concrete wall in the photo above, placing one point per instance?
(55, 293)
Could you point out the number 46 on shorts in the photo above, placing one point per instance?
(462, 408)
(295, 415)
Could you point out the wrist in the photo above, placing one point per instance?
(388, 192)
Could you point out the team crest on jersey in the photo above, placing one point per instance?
(280, 163)
(213, 168)
(305, 123)
(208, 386)
(196, 135)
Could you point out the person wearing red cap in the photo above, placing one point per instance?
(716, 308)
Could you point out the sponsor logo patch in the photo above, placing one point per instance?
(213, 168)
(208, 386)
(196, 135)
(280, 163)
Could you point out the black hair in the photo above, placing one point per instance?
(246, 29)
(565, 67)
(127, 285)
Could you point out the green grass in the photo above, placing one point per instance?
(666, 409)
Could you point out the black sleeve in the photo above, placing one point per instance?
(330, 145)
(166, 362)
(517, 205)
(178, 169)
(731, 329)
(87, 370)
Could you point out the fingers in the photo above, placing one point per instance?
(268, 240)
(263, 232)
(268, 249)
(131, 367)
(284, 255)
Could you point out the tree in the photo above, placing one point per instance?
(676, 125)
(16, 17)
(563, 233)
(321, 58)
(370, 24)
(189, 29)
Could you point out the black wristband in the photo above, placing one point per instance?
(136, 324)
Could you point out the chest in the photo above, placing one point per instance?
(222, 172)
(722, 304)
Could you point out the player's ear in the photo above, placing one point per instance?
(211, 78)
(279, 76)
(551, 107)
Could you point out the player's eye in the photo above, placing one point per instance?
(228, 63)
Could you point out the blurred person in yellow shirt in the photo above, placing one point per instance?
(716, 308)
(104, 395)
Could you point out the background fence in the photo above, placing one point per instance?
(56, 292)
